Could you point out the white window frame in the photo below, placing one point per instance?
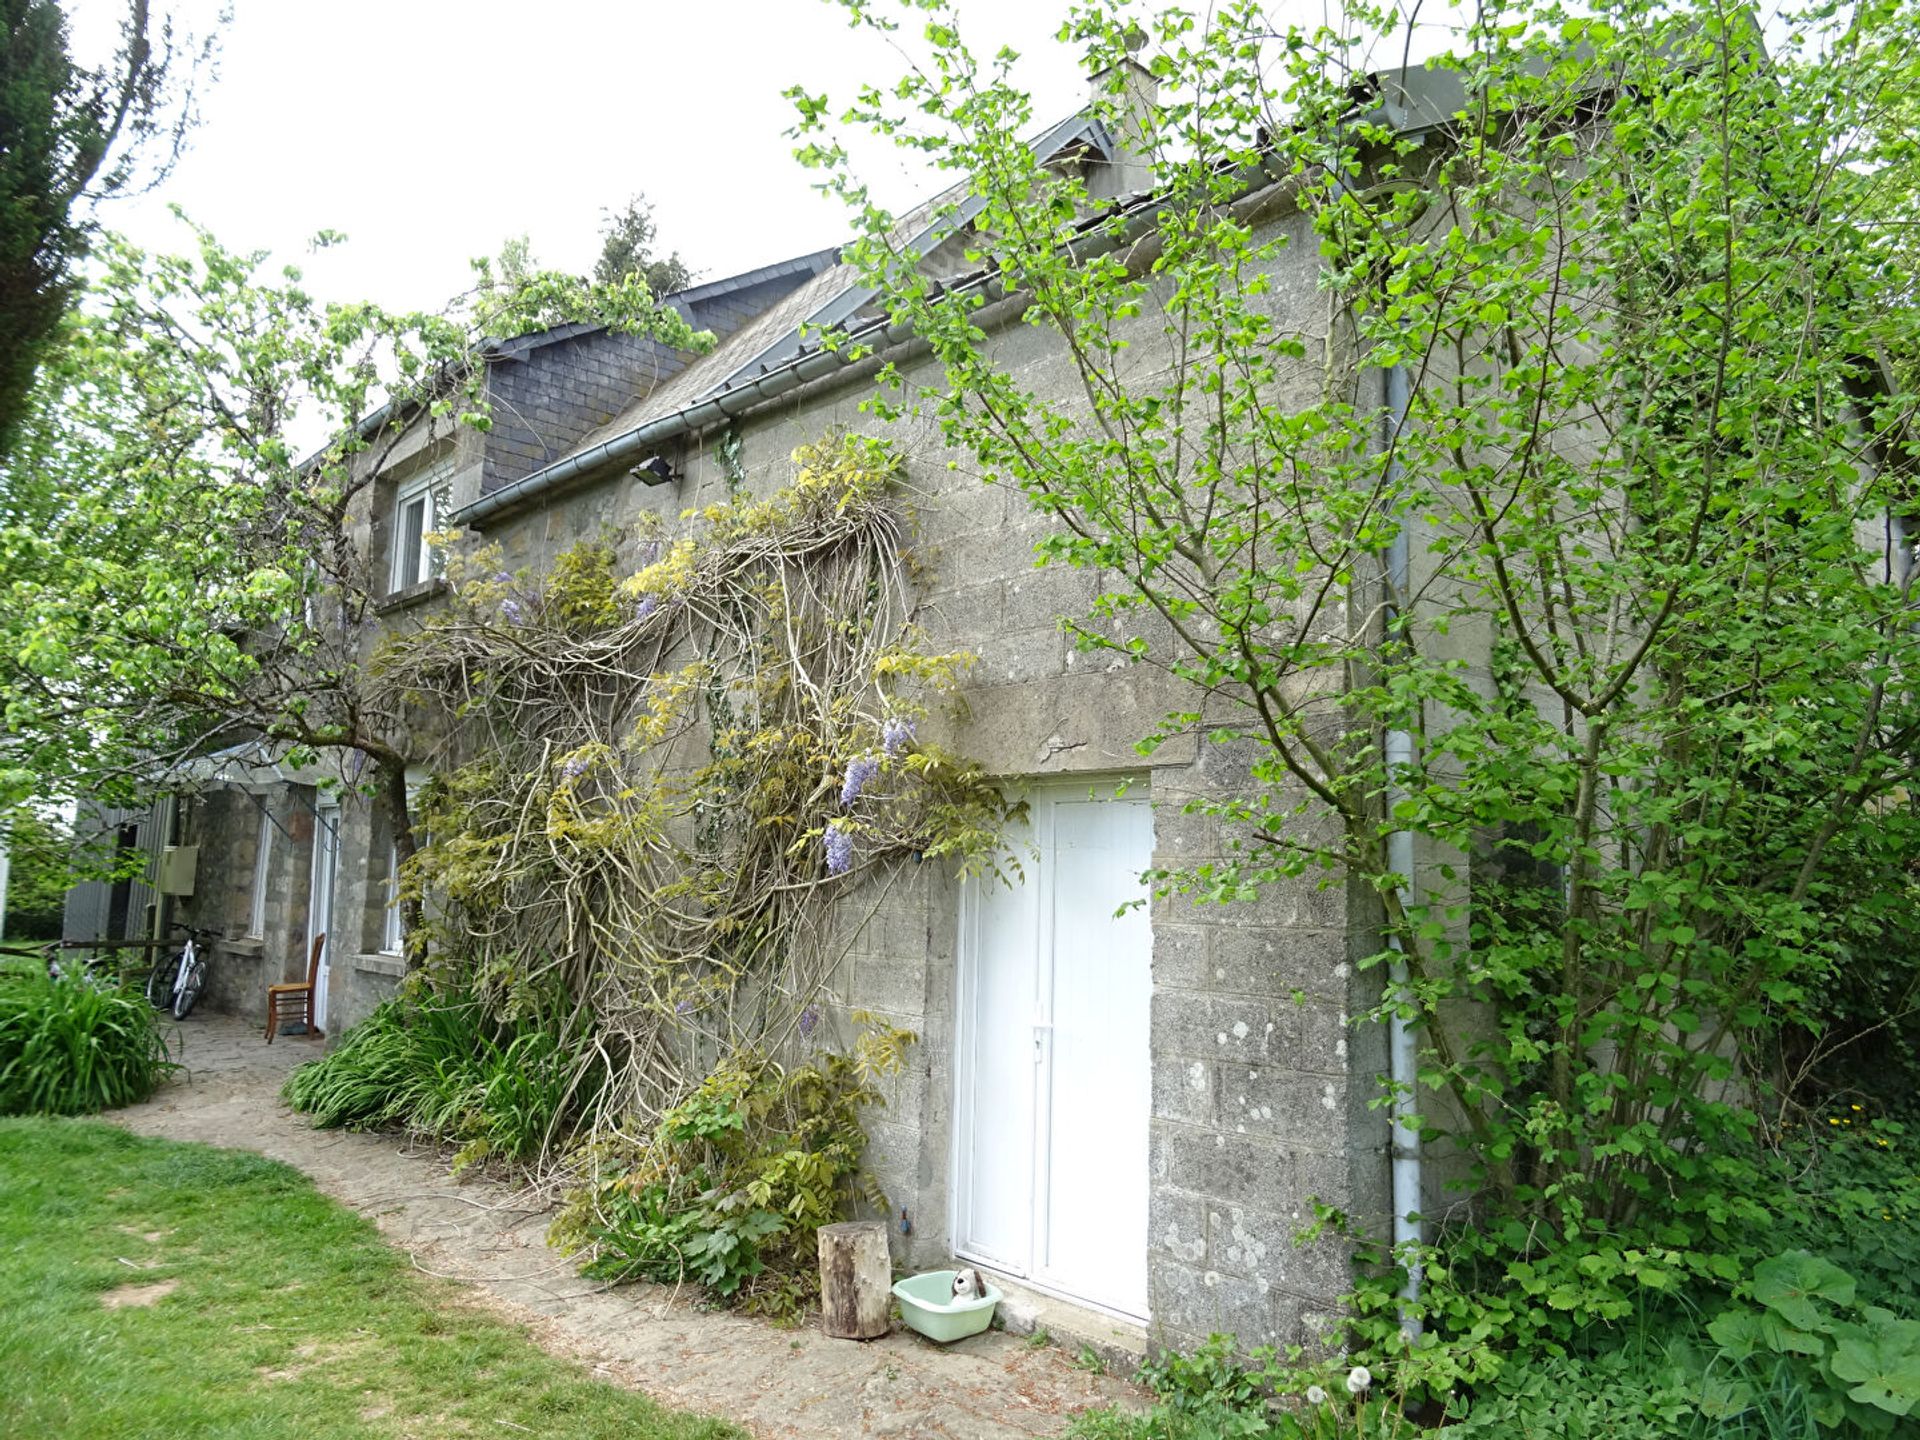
(393, 939)
(418, 489)
(393, 930)
(262, 874)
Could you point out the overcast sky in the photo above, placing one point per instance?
(429, 131)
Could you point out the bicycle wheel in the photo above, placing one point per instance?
(190, 988)
(160, 982)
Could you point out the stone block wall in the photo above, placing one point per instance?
(1259, 1083)
(225, 823)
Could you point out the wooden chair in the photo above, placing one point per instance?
(286, 1003)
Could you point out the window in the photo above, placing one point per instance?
(393, 938)
(412, 524)
(262, 869)
(393, 927)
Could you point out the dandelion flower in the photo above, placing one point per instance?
(1316, 1395)
(1359, 1378)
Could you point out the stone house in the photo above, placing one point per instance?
(1127, 1113)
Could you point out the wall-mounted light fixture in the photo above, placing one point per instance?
(655, 470)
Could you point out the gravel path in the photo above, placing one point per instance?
(775, 1382)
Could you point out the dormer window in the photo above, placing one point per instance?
(412, 524)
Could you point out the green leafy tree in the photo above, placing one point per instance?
(176, 576)
(1559, 524)
(626, 248)
(40, 855)
(69, 137)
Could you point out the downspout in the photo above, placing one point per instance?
(1402, 1061)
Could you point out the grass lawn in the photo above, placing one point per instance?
(253, 1308)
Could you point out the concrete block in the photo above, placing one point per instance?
(1320, 1039)
(958, 618)
(1276, 962)
(1183, 1090)
(1234, 1169)
(1282, 1105)
(890, 986)
(1330, 1178)
(1257, 1242)
(1042, 596)
(1190, 1303)
(1015, 657)
(1220, 1027)
(1180, 956)
(1177, 1225)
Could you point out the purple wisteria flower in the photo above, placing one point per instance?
(860, 770)
(685, 1007)
(839, 847)
(895, 735)
(576, 767)
(646, 607)
(502, 578)
(809, 1021)
(513, 611)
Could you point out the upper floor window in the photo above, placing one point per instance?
(412, 524)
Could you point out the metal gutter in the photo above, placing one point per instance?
(1402, 1056)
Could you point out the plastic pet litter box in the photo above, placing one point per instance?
(927, 1305)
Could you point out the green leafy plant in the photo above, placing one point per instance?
(734, 1183)
(1860, 1362)
(442, 1065)
(69, 1048)
(1549, 545)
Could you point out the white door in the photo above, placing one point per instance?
(1053, 1076)
(326, 865)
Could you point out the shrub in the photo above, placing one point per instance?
(734, 1183)
(69, 1048)
(443, 1067)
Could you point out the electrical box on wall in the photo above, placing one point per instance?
(178, 864)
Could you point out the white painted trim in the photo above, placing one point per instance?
(418, 491)
(326, 851)
(262, 873)
(965, 1049)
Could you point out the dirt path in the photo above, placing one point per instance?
(775, 1382)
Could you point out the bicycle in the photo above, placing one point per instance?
(176, 982)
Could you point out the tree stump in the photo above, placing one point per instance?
(856, 1280)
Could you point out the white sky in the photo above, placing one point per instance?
(429, 131)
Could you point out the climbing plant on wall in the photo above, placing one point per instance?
(674, 791)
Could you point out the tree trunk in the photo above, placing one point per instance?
(856, 1280)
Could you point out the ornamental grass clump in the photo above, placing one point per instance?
(69, 1048)
(441, 1066)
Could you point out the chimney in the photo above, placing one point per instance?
(1124, 97)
